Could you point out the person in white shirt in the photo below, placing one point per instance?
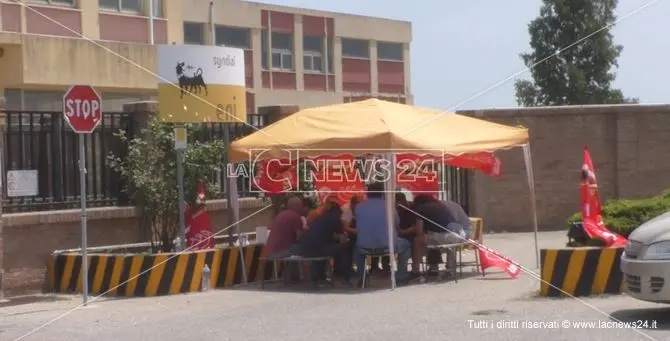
(462, 219)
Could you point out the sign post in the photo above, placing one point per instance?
(82, 110)
(180, 142)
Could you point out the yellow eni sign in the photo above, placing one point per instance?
(201, 84)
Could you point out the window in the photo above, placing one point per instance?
(329, 56)
(355, 48)
(158, 8)
(121, 5)
(264, 49)
(390, 51)
(193, 33)
(313, 53)
(55, 2)
(233, 37)
(282, 51)
(282, 41)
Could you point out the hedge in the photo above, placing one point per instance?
(624, 216)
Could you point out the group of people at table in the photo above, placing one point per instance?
(350, 232)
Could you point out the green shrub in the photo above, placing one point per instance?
(624, 216)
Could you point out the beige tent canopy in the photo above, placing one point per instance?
(375, 126)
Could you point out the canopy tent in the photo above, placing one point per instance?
(373, 126)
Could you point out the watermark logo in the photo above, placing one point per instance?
(279, 171)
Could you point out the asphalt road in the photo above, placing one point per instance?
(492, 308)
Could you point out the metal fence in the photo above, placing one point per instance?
(454, 182)
(41, 141)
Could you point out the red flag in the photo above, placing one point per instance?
(198, 223)
(491, 259)
(592, 219)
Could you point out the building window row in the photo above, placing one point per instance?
(233, 37)
(357, 48)
(281, 51)
(55, 2)
(280, 46)
(194, 33)
(134, 6)
(128, 6)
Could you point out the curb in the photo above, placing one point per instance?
(581, 272)
(157, 274)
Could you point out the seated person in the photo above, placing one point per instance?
(325, 238)
(409, 231)
(373, 234)
(349, 221)
(462, 218)
(315, 213)
(285, 229)
(308, 204)
(440, 227)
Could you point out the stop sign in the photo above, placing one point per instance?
(82, 108)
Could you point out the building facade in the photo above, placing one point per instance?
(292, 56)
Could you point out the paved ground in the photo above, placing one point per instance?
(472, 309)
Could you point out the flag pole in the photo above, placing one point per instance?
(389, 193)
(533, 203)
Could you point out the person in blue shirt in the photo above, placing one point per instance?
(372, 233)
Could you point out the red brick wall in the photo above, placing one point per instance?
(281, 22)
(356, 75)
(38, 24)
(315, 82)
(283, 80)
(265, 77)
(313, 26)
(628, 145)
(391, 77)
(10, 15)
(249, 68)
(251, 103)
(133, 29)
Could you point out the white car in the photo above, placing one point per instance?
(645, 262)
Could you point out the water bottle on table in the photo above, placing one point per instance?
(206, 275)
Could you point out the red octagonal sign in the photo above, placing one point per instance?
(82, 108)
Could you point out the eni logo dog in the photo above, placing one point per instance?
(190, 82)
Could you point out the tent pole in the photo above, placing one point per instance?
(533, 203)
(234, 210)
(389, 192)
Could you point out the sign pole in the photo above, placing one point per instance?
(82, 110)
(180, 146)
(84, 217)
(228, 180)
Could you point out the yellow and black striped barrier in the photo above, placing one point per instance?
(158, 274)
(581, 272)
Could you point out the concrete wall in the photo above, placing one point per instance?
(31, 237)
(628, 144)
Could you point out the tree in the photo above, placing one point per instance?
(150, 172)
(578, 75)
